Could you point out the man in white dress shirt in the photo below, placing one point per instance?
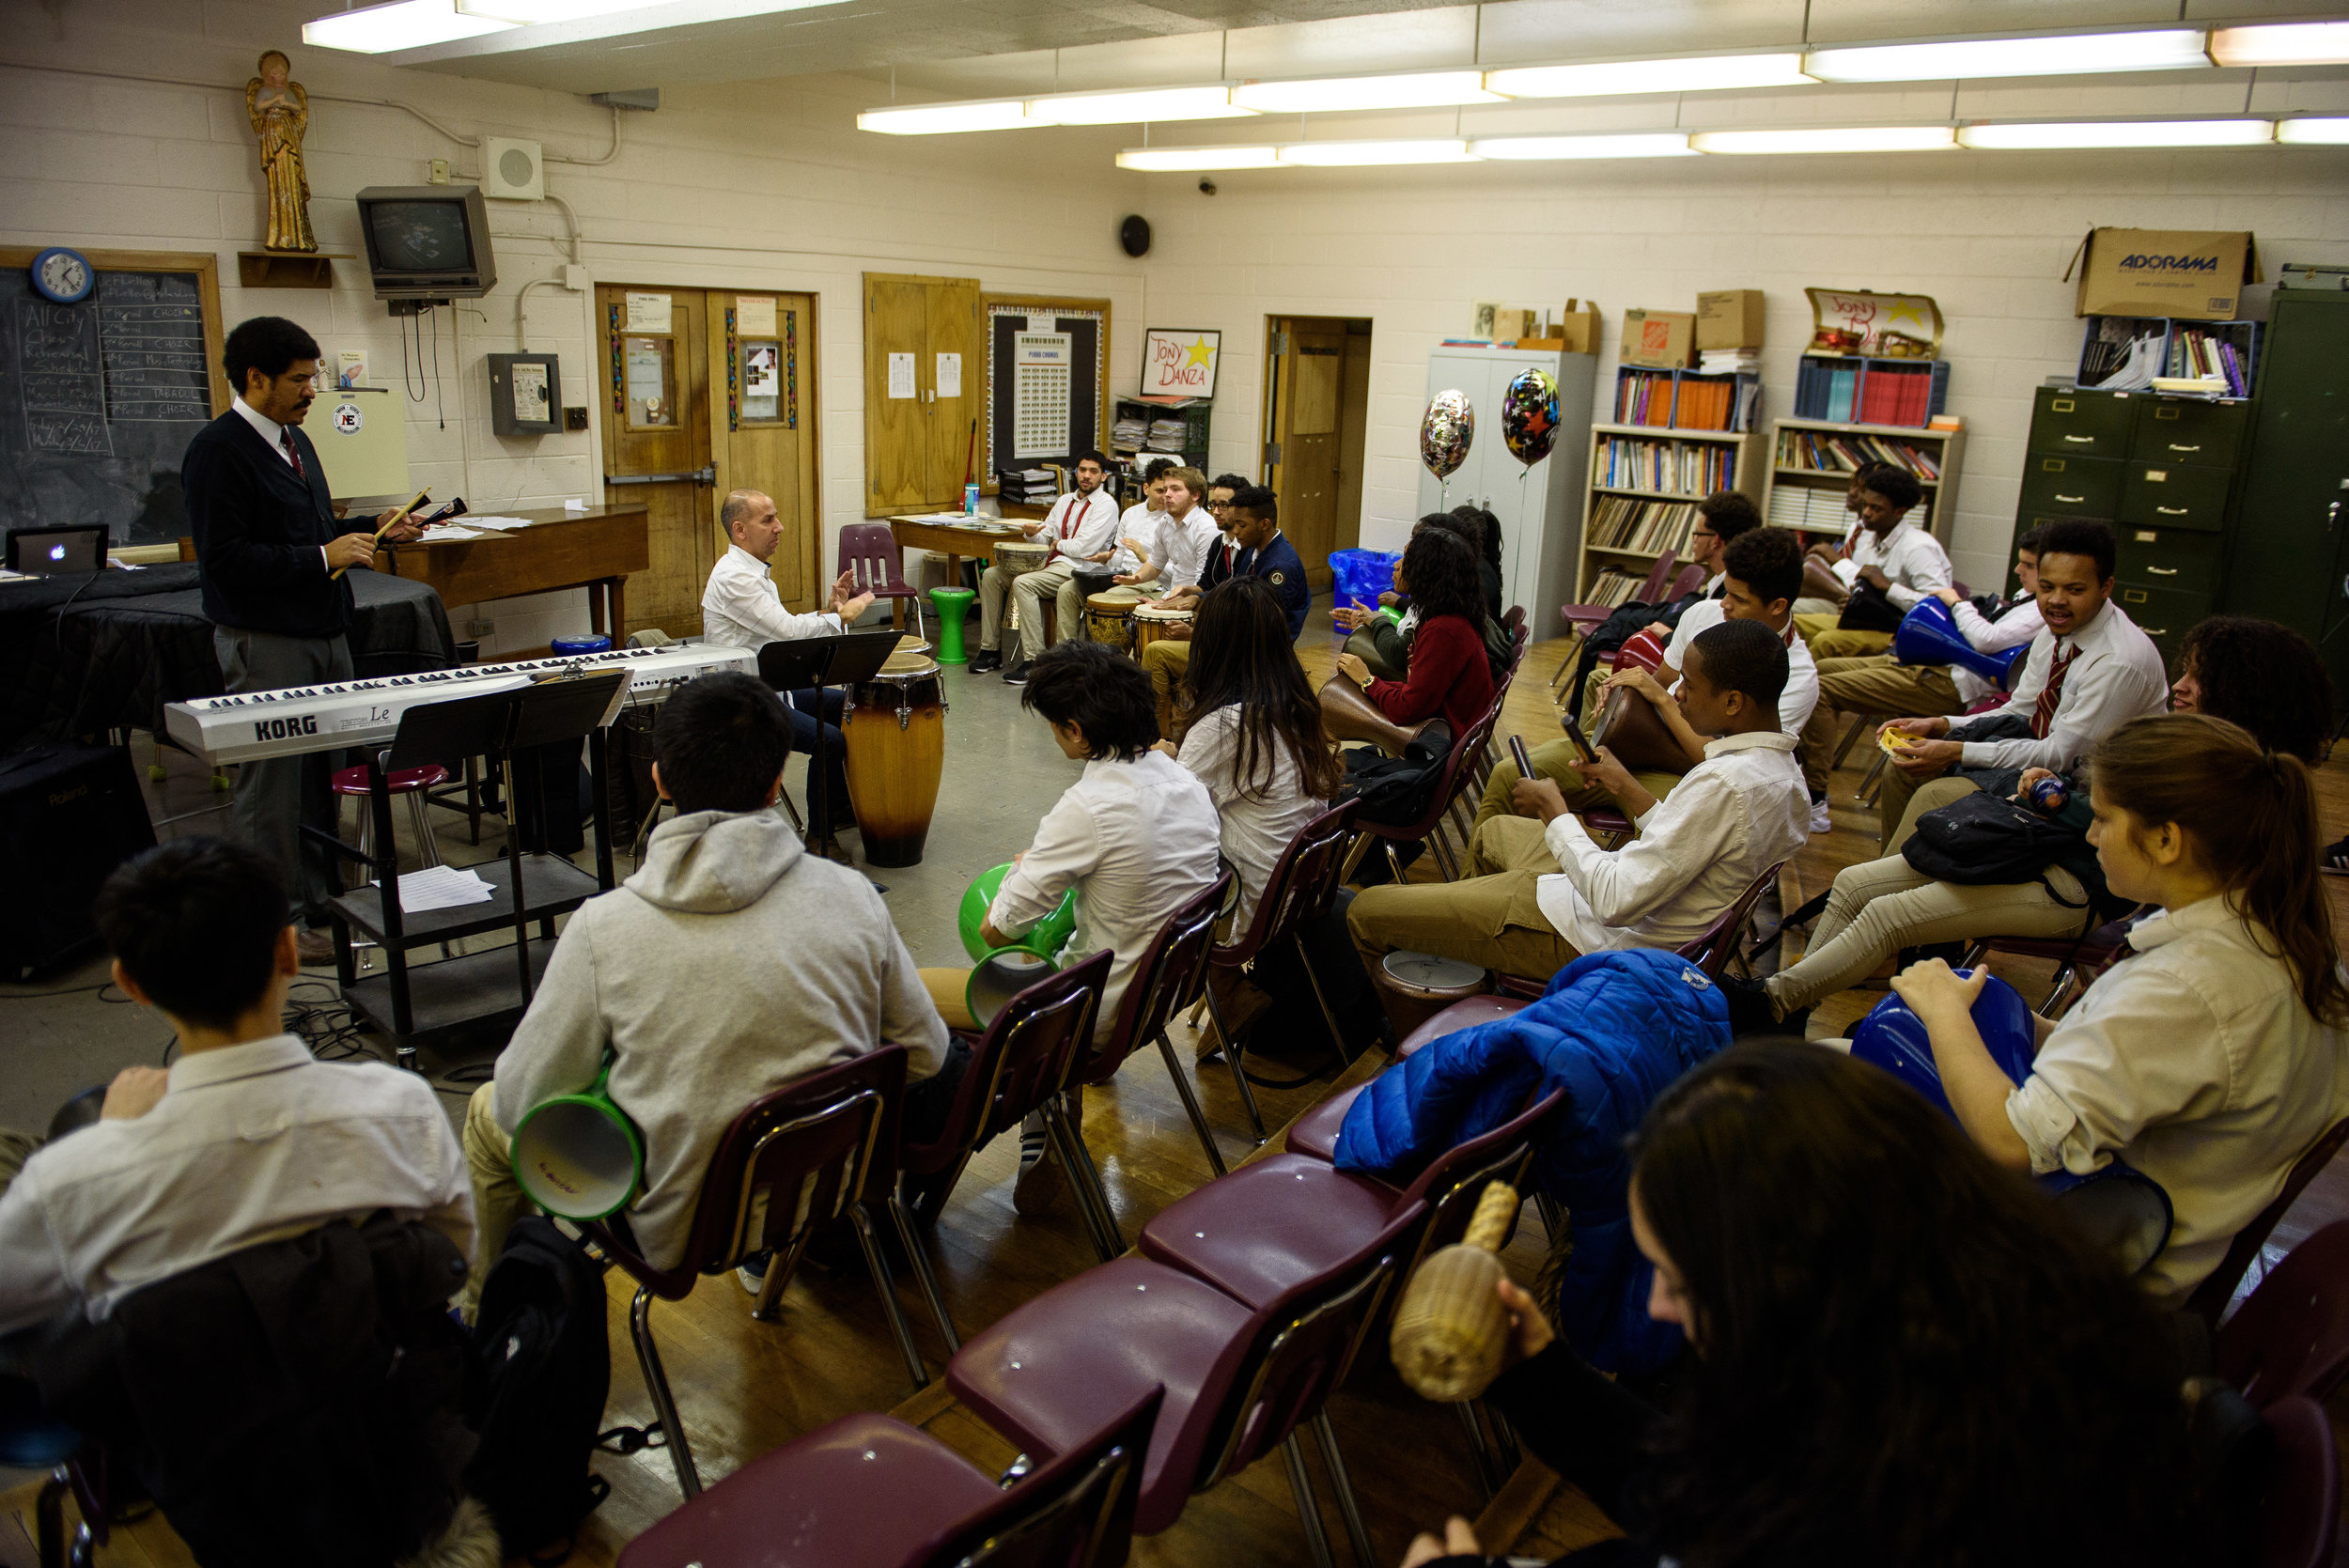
(1886, 552)
(2090, 670)
(246, 1139)
(741, 607)
(1173, 556)
(1080, 527)
(1540, 893)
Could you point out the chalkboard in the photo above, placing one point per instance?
(99, 399)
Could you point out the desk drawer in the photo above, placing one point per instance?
(2185, 496)
(2067, 487)
(2176, 430)
(2082, 424)
(2168, 558)
(2164, 615)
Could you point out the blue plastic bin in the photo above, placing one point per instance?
(1362, 574)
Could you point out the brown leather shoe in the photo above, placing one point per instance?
(314, 948)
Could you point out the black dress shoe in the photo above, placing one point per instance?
(1017, 675)
(1752, 1013)
(988, 661)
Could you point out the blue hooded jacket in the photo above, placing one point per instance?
(1612, 1030)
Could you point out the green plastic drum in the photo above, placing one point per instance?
(1048, 937)
(578, 1157)
(1000, 976)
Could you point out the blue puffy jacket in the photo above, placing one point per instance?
(1612, 1030)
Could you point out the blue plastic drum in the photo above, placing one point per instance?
(566, 648)
(1893, 1038)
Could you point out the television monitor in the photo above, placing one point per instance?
(428, 241)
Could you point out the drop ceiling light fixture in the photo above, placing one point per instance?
(1162, 160)
(1659, 144)
(937, 120)
(2290, 43)
(1700, 74)
(1437, 149)
(2314, 131)
(2120, 133)
(1136, 105)
(530, 13)
(1424, 89)
(1831, 138)
(2065, 54)
(401, 25)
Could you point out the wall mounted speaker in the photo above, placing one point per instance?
(1134, 234)
(512, 170)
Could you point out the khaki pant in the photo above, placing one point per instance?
(1056, 581)
(1905, 799)
(1881, 907)
(498, 1199)
(994, 586)
(1829, 641)
(1873, 686)
(947, 988)
(1490, 918)
(1164, 662)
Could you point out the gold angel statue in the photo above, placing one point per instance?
(280, 111)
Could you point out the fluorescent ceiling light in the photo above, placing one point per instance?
(2174, 133)
(1164, 159)
(2290, 43)
(1835, 138)
(2168, 49)
(1129, 108)
(1440, 149)
(935, 119)
(529, 13)
(402, 25)
(1697, 74)
(1660, 143)
(1425, 89)
(2325, 130)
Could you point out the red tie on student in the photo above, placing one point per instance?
(2043, 715)
(293, 454)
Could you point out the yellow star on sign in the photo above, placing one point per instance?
(1200, 353)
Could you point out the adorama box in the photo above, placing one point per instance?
(1729, 319)
(1659, 339)
(2188, 274)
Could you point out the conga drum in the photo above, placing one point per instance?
(895, 726)
(1110, 618)
(1020, 557)
(1419, 986)
(1151, 623)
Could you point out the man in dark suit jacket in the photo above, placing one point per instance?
(267, 544)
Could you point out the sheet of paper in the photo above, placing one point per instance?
(500, 523)
(754, 315)
(530, 394)
(762, 371)
(950, 375)
(451, 534)
(350, 368)
(647, 313)
(442, 887)
(901, 375)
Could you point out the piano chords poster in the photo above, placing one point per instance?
(1048, 403)
(100, 399)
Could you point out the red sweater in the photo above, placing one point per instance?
(1448, 679)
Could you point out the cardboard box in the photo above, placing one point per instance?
(1577, 328)
(1659, 339)
(2186, 274)
(1729, 319)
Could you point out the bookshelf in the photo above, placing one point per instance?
(1854, 388)
(1687, 399)
(1810, 463)
(1644, 482)
(2174, 347)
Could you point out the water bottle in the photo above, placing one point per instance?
(970, 501)
(2048, 795)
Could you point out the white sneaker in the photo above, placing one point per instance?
(1821, 822)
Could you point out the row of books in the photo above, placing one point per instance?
(1868, 392)
(1615, 587)
(1625, 523)
(2195, 352)
(1167, 432)
(1825, 451)
(1130, 433)
(1684, 402)
(1815, 508)
(1691, 469)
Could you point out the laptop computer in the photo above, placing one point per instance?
(57, 551)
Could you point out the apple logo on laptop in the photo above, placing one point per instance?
(57, 553)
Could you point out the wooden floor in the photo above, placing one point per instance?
(745, 1387)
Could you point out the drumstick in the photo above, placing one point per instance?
(389, 523)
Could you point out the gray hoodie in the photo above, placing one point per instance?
(731, 964)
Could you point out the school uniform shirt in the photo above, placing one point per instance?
(1801, 695)
(2113, 674)
(1181, 547)
(1912, 561)
(250, 1143)
(1261, 815)
(742, 607)
(1080, 526)
(1277, 562)
(2194, 1062)
(1139, 520)
(2017, 625)
(1729, 819)
(1137, 840)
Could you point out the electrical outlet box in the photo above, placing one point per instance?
(481, 629)
(576, 277)
(438, 175)
(574, 419)
(526, 390)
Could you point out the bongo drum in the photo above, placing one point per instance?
(895, 727)
(1150, 624)
(1110, 619)
(1018, 559)
(1419, 986)
(1092, 579)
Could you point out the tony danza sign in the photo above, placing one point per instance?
(1179, 362)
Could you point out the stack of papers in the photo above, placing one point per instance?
(451, 533)
(499, 523)
(442, 887)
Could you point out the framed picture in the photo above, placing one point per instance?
(1179, 362)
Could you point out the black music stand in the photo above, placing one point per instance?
(817, 662)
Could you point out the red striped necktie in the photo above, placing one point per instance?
(293, 453)
(2043, 715)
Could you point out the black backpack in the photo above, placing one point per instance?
(544, 1372)
(1397, 790)
(1984, 840)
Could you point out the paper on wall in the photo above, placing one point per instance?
(754, 315)
(950, 375)
(350, 368)
(901, 375)
(647, 313)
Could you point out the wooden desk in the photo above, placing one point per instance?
(951, 540)
(596, 549)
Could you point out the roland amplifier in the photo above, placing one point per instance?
(69, 816)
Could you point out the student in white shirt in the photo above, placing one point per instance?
(1080, 527)
(741, 607)
(246, 1139)
(2090, 671)
(1136, 835)
(2214, 1053)
(1886, 552)
(1540, 893)
(1174, 556)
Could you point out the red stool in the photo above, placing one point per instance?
(410, 782)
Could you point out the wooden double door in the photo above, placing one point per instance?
(707, 391)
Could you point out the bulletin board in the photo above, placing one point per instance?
(1047, 381)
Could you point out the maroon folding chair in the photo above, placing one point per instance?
(1583, 618)
(869, 1491)
(795, 1159)
(869, 554)
(1691, 578)
(1316, 1131)
(1018, 1064)
(1457, 772)
(2303, 1514)
(2082, 960)
(1298, 893)
(1238, 1381)
(2211, 1296)
(2290, 1335)
(1711, 949)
